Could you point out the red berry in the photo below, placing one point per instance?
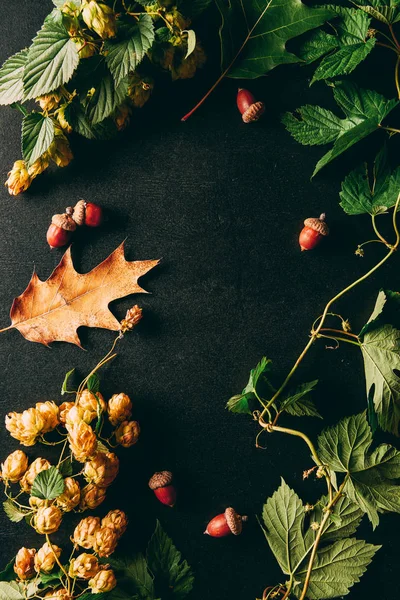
(166, 495)
(248, 107)
(57, 237)
(225, 524)
(313, 232)
(93, 215)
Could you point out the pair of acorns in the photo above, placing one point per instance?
(63, 225)
(227, 523)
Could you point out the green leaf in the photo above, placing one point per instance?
(316, 45)
(52, 58)
(370, 192)
(241, 403)
(344, 522)
(13, 513)
(60, 3)
(51, 579)
(386, 11)
(193, 8)
(380, 346)
(37, 136)
(11, 591)
(134, 575)
(364, 111)
(297, 404)
(8, 573)
(344, 61)
(191, 41)
(253, 26)
(370, 476)
(336, 569)
(64, 388)
(48, 484)
(65, 468)
(283, 517)
(79, 121)
(11, 78)
(93, 383)
(135, 38)
(106, 98)
(165, 562)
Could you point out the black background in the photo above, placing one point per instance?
(222, 203)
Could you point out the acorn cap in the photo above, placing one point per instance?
(254, 112)
(234, 520)
(160, 480)
(64, 221)
(79, 212)
(318, 224)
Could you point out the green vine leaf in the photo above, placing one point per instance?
(380, 346)
(51, 579)
(8, 573)
(344, 522)
(386, 11)
(193, 8)
(11, 78)
(106, 97)
(93, 383)
(242, 403)
(37, 136)
(298, 404)
(135, 39)
(11, 591)
(364, 111)
(64, 387)
(370, 476)
(165, 562)
(253, 27)
(134, 575)
(80, 123)
(336, 569)
(13, 512)
(65, 468)
(48, 484)
(374, 192)
(52, 58)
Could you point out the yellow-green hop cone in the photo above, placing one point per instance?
(49, 101)
(45, 558)
(24, 566)
(103, 581)
(105, 542)
(100, 18)
(60, 150)
(85, 49)
(40, 165)
(177, 19)
(71, 495)
(65, 126)
(14, 467)
(85, 566)
(85, 532)
(71, 8)
(18, 178)
(140, 89)
(47, 519)
(102, 469)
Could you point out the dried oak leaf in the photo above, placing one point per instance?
(52, 310)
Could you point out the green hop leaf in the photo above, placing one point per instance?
(241, 403)
(13, 513)
(298, 404)
(11, 591)
(386, 11)
(11, 78)
(37, 136)
(344, 522)
(133, 573)
(48, 484)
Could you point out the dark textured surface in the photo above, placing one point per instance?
(222, 203)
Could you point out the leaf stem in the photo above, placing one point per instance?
(396, 76)
(68, 580)
(375, 228)
(220, 78)
(338, 339)
(340, 332)
(396, 41)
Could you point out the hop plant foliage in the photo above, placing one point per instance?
(89, 67)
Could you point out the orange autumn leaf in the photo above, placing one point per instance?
(52, 310)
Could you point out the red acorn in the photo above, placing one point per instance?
(161, 484)
(248, 107)
(93, 215)
(225, 524)
(60, 231)
(313, 232)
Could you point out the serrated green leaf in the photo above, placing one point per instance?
(172, 574)
(11, 78)
(336, 569)
(352, 25)
(364, 110)
(343, 523)
(65, 468)
(106, 98)
(64, 388)
(13, 513)
(48, 484)
(93, 383)
(316, 45)
(37, 136)
(135, 39)
(78, 120)
(283, 518)
(11, 591)
(371, 480)
(133, 573)
(52, 58)
(370, 192)
(8, 573)
(254, 25)
(162, 34)
(386, 11)
(344, 61)
(242, 403)
(51, 579)
(297, 404)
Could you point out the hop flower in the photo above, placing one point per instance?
(71, 495)
(187, 68)
(100, 18)
(36, 502)
(139, 91)
(18, 178)
(84, 566)
(85, 51)
(49, 101)
(47, 519)
(92, 496)
(60, 150)
(82, 440)
(24, 563)
(91, 405)
(85, 532)
(116, 520)
(38, 465)
(103, 581)
(119, 408)
(102, 469)
(105, 542)
(176, 18)
(50, 414)
(132, 318)
(64, 410)
(128, 433)
(14, 466)
(73, 414)
(45, 558)
(25, 427)
(59, 594)
(65, 126)
(39, 166)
